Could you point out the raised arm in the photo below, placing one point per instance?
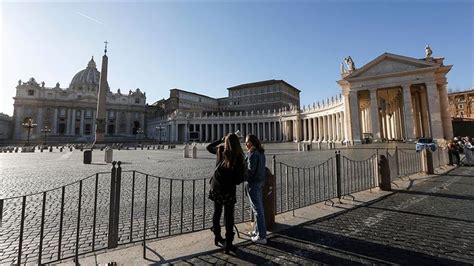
(212, 148)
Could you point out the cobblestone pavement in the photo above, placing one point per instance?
(22, 174)
(430, 224)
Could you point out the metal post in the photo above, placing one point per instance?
(338, 175)
(144, 217)
(112, 240)
(43, 209)
(22, 225)
(274, 173)
(397, 161)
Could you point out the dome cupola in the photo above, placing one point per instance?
(87, 79)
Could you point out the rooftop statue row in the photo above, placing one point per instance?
(329, 102)
(32, 82)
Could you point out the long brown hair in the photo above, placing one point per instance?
(233, 153)
(256, 143)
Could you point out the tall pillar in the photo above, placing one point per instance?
(347, 118)
(320, 129)
(338, 127)
(325, 128)
(116, 128)
(445, 116)
(81, 132)
(355, 116)
(55, 122)
(408, 113)
(434, 108)
(305, 129)
(298, 128)
(374, 115)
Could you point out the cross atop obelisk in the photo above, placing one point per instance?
(101, 101)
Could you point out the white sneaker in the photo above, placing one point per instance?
(258, 240)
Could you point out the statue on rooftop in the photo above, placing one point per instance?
(428, 51)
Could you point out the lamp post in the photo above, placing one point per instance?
(45, 130)
(159, 129)
(140, 133)
(29, 125)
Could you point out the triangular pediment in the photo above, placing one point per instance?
(389, 64)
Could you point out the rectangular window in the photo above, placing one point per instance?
(31, 92)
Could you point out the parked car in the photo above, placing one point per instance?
(425, 144)
(367, 138)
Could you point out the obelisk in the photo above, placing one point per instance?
(101, 101)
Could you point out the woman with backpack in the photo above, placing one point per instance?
(256, 163)
(229, 172)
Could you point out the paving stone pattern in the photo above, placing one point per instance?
(31, 173)
(432, 223)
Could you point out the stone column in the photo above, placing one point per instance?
(275, 135)
(264, 131)
(298, 129)
(68, 122)
(305, 129)
(434, 108)
(408, 113)
(347, 119)
(54, 130)
(82, 123)
(338, 127)
(116, 128)
(310, 129)
(325, 129)
(374, 115)
(355, 116)
(445, 116)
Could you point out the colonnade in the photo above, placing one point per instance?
(320, 123)
(325, 128)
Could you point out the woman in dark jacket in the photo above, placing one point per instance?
(228, 173)
(256, 162)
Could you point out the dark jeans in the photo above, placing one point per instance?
(228, 218)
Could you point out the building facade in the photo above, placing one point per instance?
(70, 112)
(393, 97)
(461, 104)
(6, 126)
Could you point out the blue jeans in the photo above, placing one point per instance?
(256, 202)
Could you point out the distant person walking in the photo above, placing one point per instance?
(229, 172)
(255, 181)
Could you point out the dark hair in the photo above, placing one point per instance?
(256, 143)
(233, 153)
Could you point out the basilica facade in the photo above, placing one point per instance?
(70, 112)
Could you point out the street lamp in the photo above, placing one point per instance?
(159, 129)
(140, 133)
(29, 125)
(45, 130)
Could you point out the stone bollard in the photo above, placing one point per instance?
(87, 157)
(319, 145)
(186, 151)
(299, 146)
(108, 155)
(269, 197)
(195, 152)
(427, 161)
(384, 170)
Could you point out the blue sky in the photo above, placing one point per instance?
(206, 47)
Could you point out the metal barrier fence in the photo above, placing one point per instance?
(299, 187)
(119, 207)
(358, 175)
(411, 162)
